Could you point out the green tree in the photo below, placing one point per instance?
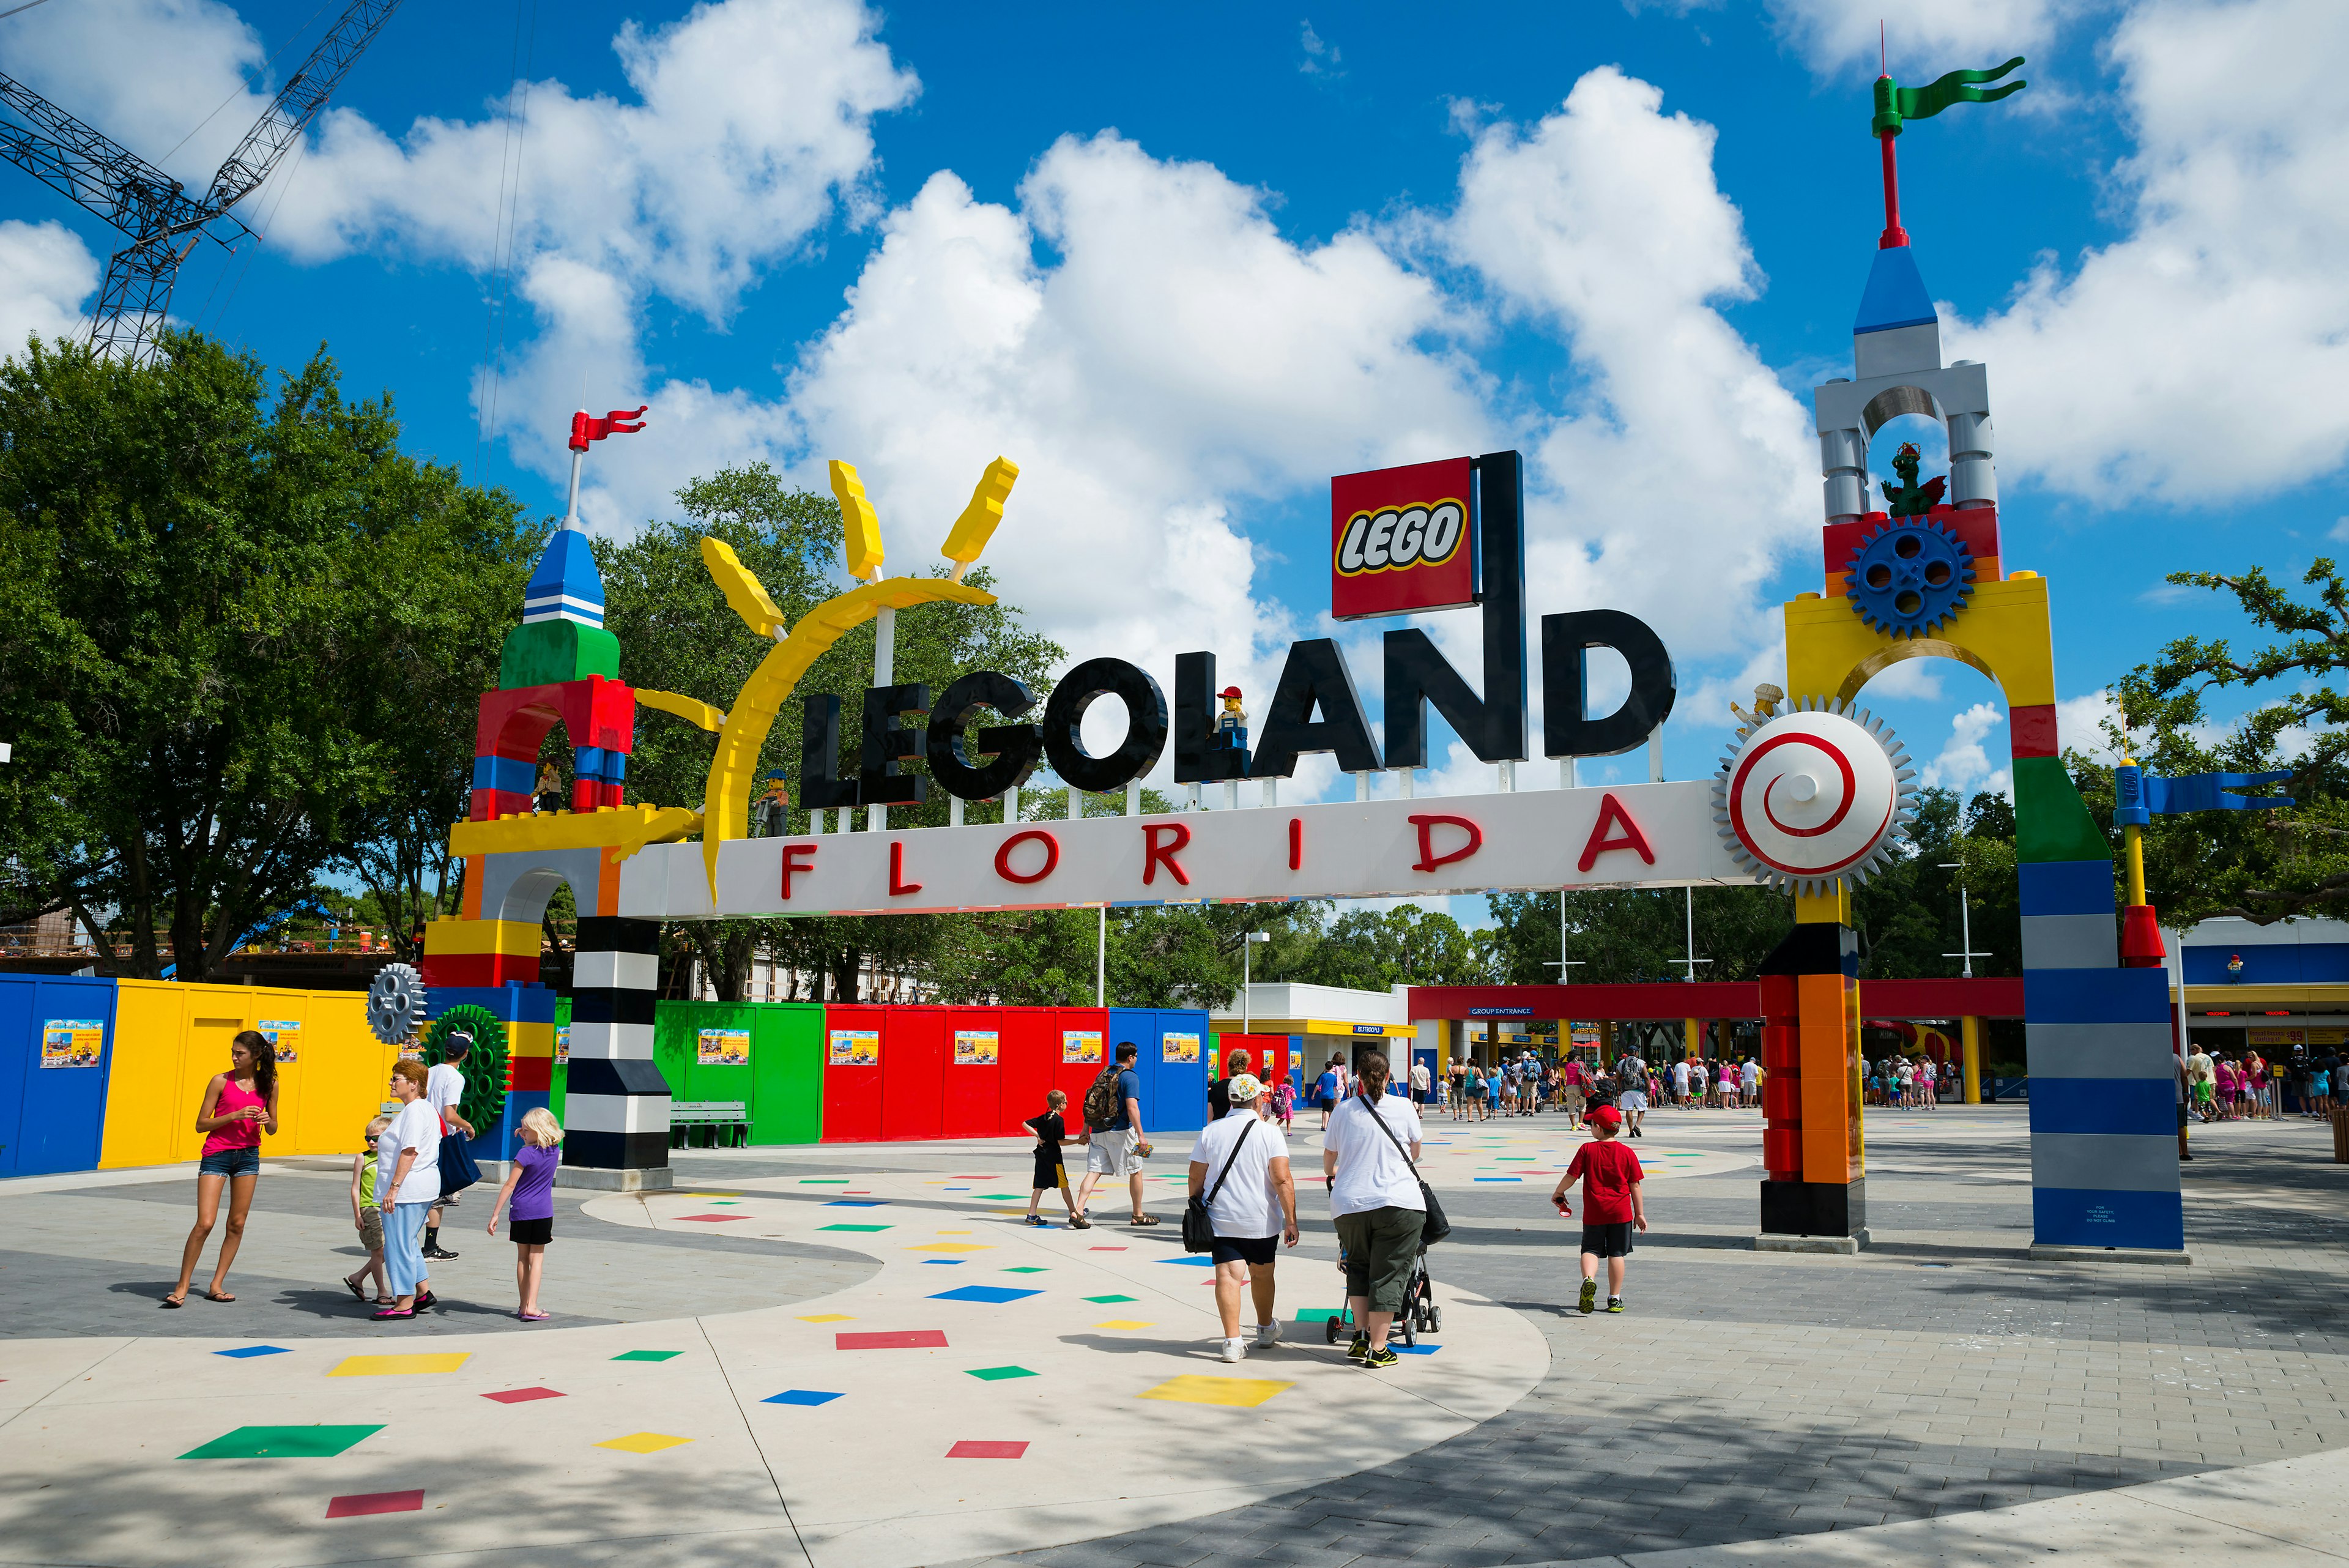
(2259, 866)
(208, 603)
(1626, 934)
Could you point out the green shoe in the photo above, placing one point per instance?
(1380, 1360)
(1614, 1304)
(1589, 1296)
(1359, 1348)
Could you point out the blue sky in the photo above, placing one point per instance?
(1183, 264)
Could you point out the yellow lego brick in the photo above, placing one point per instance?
(627, 828)
(2002, 632)
(445, 938)
(971, 531)
(693, 710)
(745, 594)
(1824, 909)
(530, 1039)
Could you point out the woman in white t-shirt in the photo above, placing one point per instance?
(1242, 1159)
(408, 1181)
(1375, 1204)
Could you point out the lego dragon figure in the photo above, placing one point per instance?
(1909, 498)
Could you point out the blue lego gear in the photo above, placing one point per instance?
(1908, 577)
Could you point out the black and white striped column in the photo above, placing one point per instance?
(617, 1102)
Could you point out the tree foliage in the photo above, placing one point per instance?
(2261, 866)
(229, 611)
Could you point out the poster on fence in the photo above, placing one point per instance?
(853, 1048)
(72, 1042)
(284, 1037)
(1081, 1045)
(723, 1048)
(1174, 1047)
(562, 1045)
(975, 1047)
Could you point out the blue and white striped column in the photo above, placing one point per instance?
(2103, 1119)
(616, 1101)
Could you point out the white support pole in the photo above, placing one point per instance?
(1272, 792)
(884, 673)
(1101, 959)
(1656, 754)
(1362, 786)
(1410, 784)
(1075, 807)
(1566, 772)
(1133, 798)
(954, 811)
(571, 506)
(1231, 794)
(1508, 775)
(1012, 804)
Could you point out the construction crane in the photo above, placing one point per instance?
(162, 221)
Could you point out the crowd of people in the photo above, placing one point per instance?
(401, 1187)
(1910, 1083)
(2247, 1087)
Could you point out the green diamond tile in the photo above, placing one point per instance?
(281, 1443)
(646, 1355)
(1027, 1269)
(988, 1374)
(852, 1226)
(1106, 1300)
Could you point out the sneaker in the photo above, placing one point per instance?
(427, 1302)
(1036, 1219)
(1268, 1334)
(1614, 1304)
(1235, 1350)
(1359, 1348)
(1589, 1296)
(1381, 1359)
(439, 1254)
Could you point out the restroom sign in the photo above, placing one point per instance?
(1403, 539)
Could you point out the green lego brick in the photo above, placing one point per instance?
(2051, 822)
(548, 652)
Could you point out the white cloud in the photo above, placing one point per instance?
(2197, 358)
(1964, 763)
(47, 276)
(2080, 723)
(1604, 223)
(1321, 57)
(1925, 38)
(148, 73)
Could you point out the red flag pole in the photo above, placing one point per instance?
(1894, 234)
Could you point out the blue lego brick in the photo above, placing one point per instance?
(567, 571)
(2095, 996)
(616, 766)
(515, 1003)
(587, 762)
(2146, 1105)
(2065, 887)
(502, 772)
(2079, 1217)
(1896, 294)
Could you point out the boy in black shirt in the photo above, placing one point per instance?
(1052, 1130)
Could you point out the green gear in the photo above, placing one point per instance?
(484, 1100)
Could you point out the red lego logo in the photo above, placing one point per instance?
(1403, 539)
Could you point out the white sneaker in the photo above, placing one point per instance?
(1234, 1349)
(1268, 1334)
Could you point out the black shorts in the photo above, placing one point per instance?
(1251, 1250)
(1607, 1241)
(1419, 1096)
(530, 1232)
(1049, 1172)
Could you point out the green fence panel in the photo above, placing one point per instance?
(787, 1073)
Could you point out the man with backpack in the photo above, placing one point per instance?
(1113, 1141)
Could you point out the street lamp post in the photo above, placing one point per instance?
(1965, 920)
(1248, 954)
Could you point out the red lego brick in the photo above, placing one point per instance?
(2034, 729)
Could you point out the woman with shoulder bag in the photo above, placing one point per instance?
(1378, 1204)
(1242, 1190)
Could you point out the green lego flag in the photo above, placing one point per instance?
(1895, 104)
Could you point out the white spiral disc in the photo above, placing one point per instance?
(1812, 798)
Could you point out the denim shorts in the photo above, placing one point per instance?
(231, 1162)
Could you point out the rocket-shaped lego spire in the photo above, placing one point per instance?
(566, 585)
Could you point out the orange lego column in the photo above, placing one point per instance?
(1811, 1144)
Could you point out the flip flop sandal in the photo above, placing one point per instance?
(356, 1294)
(532, 1316)
(217, 1296)
(1144, 1220)
(174, 1303)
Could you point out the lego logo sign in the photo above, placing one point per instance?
(1403, 539)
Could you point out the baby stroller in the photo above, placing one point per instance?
(1420, 1313)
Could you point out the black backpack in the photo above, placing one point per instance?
(1100, 1100)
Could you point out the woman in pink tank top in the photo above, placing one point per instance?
(238, 1106)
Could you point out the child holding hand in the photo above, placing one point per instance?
(368, 1218)
(1611, 1179)
(1052, 1130)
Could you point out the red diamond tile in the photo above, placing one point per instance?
(967, 1449)
(523, 1396)
(365, 1502)
(895, 1339)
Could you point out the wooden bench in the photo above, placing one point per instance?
(725, 1121)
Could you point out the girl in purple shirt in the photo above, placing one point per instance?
(529, 1186)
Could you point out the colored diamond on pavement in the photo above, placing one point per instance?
(398, 1366)
(994, 1296)
(281, 1443)
(713, 1218)
(829, 1317)
(646, 1355)
(799, 1396)
(998, 1374)
(242, 1352)
(853, 1227)
(1105, 1301)
(359, 1504)
(1124, 1322)
(893, 1339)
(967, 1449)
(643, 1442)
(523, 1396)
(1243, 1393)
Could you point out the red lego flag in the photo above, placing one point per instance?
(585, 427)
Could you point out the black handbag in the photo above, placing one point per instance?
(1198, 1229)
(1437, 1226)
(459, 1169)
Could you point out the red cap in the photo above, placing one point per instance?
(1605, 1116)
(1230, 691)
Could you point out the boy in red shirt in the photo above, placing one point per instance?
(1611, 1177)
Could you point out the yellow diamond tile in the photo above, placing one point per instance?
(398, 1366)
(1124, 1322)
(829, 1317)
(643, 1442)
(1245, 1392)
(951, 1247)
(954, 1232)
